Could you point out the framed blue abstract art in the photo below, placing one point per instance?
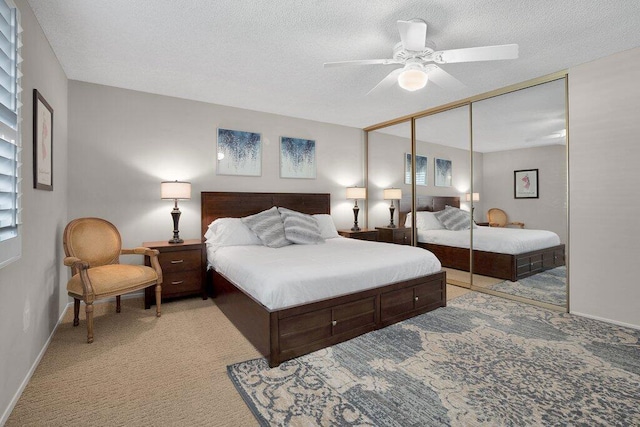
(239, 153)
(297, 158)
(444, 173)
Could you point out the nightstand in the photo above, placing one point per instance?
(183, 271)
(398, 235)
(363, 234)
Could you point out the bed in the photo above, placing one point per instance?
(286, 329)
(512, 264)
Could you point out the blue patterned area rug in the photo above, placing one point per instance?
(482, 360)
(548, 286)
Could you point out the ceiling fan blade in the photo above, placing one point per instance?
(361, 62)
(388, 81)
(472, 54)
(441, 78)
(413, 34)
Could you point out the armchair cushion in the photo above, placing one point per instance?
(114, 279)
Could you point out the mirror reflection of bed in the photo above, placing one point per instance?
(501, 257)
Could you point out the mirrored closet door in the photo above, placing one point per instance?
(520, 147)
(443, 145)
(500, 158)
(389, 181)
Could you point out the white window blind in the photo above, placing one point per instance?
(10, 120)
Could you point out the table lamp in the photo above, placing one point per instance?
(355, 193)
(175, 190)
(392, 194)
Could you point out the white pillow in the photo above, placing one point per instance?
(230, 232)
(300, 228)
(326, 225)
(425, 221)
(269, 227)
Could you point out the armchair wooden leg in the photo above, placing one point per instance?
(76, 312)
(89, 311)
(118, 304)
(158, 299)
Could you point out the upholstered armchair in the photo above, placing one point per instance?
(93, 247)
(498, 218)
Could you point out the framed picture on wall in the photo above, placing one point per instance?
(421, 169)
(239, 153)
(525, 184)
(443, 172)
(42, 143)
(297, 158)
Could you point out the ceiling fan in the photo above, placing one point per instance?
(419, 57)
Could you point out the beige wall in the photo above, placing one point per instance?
(603, 179)
(123, 143)
(31, 295)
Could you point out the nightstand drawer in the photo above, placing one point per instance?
(183, 281)
(179, 260)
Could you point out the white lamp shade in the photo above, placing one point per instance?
(392, 194)
(175, 190)
(476, 197)
(356, 193)
(412, 79)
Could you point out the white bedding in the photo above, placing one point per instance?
(511, 241)
(298, 274)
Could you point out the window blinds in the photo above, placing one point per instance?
(9, 128)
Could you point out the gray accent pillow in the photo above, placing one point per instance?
(453, 218)
(268, 227)
(300, 228)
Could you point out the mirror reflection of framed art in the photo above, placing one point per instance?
(525, 184)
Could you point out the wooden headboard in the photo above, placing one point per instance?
(427, 203)
(217, 204)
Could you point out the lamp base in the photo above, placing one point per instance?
(356, 209)
(175, 214)
(391, 211)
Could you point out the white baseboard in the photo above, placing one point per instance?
(16, 397)
(602, 319)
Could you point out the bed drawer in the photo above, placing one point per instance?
(402, 302)
(307, 328)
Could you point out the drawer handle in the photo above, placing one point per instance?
(177, 282)
(415, 299)
(334, 322)
(177, 261)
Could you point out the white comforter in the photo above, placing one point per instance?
(299, 274)
(511, 241)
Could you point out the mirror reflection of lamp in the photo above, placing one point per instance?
(356, 193)
(175, 190)
(392, 194)
(469, 197)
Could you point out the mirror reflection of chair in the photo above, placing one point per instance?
(498, 218)
(93, 247)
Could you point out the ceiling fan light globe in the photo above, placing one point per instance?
(412, 79)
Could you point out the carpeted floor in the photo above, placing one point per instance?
(549, 286)
(140, 371)
(482, 360)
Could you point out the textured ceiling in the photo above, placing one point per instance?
(268, 55)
